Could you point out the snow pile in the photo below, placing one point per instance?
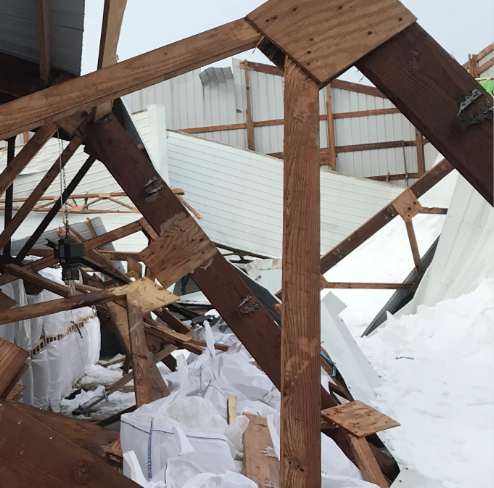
(437, 368)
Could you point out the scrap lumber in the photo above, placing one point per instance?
(36, 456)
(38, 192)
(26, 154)
(326, 38)
(260, 467)
(15, 380)
(128, 76)
(90, 437)
(428, 85)
(181, 248)
(359, 419)
(154, 298)
(12, 360)
(55, 208)
(300, 443)
(134, 268)
(414, 247)
(149, 385)
(231, 409)
(15, 394)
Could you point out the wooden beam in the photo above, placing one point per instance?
(419, 144)
(134, 266)
(44, 33)
(12, 359)
(428, 85)
(113, 13)
(148, 383)
(300, 335)
(9, 196)
(251, 144)
(37, 193)
(25, 155)
(331, 135)
(126, 77)
(414, 247)
(264, 470)
(6, 302)
(231, 409)
(56, 207)
(38, 456)
(82, 433)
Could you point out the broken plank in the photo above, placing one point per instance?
(36, 456)
(260, 467)
(359, 419)
(149, 385)
(231, 409)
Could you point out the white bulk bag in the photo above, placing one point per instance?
(27, 381)
(56, 367)
(227, 480)
(41, 379)
(36, 322)
(92, 328)
(7, 331)
(22, 335)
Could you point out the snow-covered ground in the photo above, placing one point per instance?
(437, 368)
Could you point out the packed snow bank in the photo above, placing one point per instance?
(437, 368)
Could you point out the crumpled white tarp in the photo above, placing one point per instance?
(183, 441)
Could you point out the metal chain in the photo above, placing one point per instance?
(63, 187)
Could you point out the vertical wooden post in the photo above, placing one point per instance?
(300, 334)
(251, 141)
(420, 153)
(414, 246)
(473, 68)
(9, 196)
(331, 136)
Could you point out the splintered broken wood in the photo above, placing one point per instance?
(148, 382)
(325, 38)
(260, 467)
(12, 360)
(181, 248)
(35, 456)
(359, 419)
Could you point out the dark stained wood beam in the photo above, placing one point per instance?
(428, 86)
(126, 77)
(44, 32)
(9, 196)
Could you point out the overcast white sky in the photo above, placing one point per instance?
(460, 26)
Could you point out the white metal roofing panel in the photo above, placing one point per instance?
(239, 193)
(19, 32)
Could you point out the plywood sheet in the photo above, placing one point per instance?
(327, 37)
(181, 249)
(359, 419)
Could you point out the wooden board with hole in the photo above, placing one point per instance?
(359, 419)
(325, 38)
(181, 248)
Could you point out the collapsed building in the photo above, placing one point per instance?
(166, 217)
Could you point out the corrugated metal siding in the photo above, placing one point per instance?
(239, 193)
(217, 96)
(19, 33)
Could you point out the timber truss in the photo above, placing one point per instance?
(313, 42)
